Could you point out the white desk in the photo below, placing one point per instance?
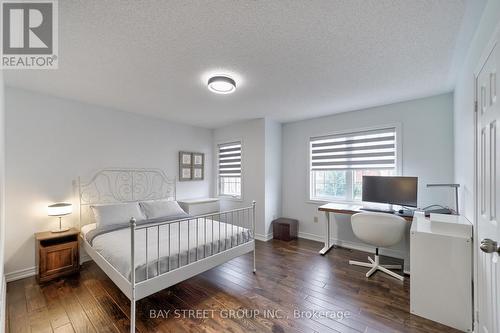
(330, 210)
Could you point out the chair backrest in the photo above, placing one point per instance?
(378, 229)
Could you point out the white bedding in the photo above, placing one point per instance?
(115, 246)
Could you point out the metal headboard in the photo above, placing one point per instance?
(119, 185)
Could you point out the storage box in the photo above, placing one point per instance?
(200, 206)
(285, 229)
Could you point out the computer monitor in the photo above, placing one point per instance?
(390, 190)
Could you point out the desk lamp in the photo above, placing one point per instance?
(455, 186)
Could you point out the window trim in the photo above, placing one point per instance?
(399, 158)
(217, 179)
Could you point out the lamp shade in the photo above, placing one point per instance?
(60, 209)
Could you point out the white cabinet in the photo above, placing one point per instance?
(200, 206)
(441, 270)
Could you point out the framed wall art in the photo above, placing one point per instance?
(185, 158)
(185, 166)
(198, 160)
(191, 166)
(198, 173)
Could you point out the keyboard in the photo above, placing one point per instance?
(377, 210)
(406, 213)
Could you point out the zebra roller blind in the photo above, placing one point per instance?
(360, 150)
(230, 160)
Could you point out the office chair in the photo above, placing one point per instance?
(379, 230)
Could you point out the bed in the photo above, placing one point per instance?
(127, 232)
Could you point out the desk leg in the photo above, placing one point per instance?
(328, 245)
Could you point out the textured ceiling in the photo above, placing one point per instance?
(291, 59)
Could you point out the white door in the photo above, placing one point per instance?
(488, 194)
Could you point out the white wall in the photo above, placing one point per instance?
(427, 139)
(252, 136)
(273, 148)
(464, 117)
(464, 108)
(51, 141)
(2, 205)
(261, 169)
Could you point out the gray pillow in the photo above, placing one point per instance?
(120, 213)
(161, 208)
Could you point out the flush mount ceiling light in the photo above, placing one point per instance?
(221, 84)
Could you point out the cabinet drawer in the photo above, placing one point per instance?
(445, 300)
(58, 259)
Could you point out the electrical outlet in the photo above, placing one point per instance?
(315, 219)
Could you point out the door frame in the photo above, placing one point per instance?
(485, 53)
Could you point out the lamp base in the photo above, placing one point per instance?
(59, 230)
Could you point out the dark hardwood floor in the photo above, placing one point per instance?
(290, 277)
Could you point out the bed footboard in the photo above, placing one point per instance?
(186, 247)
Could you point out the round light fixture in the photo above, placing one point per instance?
(221, 84)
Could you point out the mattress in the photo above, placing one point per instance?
(167, 247)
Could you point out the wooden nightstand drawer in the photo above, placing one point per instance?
(57, 254)
(56, 259)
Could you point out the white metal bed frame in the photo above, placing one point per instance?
(120, 185)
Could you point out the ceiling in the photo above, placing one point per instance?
(291, 59)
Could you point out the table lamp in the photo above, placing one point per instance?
(454, 186)
(59, 210)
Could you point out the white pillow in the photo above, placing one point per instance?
(161, 208)
(86, 228)
(117, 213)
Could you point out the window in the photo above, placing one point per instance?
(230, 169)
(339, 162)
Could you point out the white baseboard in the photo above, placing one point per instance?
(342, 243)
(31, 271)
(84, 257)
(264, 238)
(313, 237)
(20, 274)
(354, 246)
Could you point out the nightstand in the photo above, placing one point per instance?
(57, 254)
